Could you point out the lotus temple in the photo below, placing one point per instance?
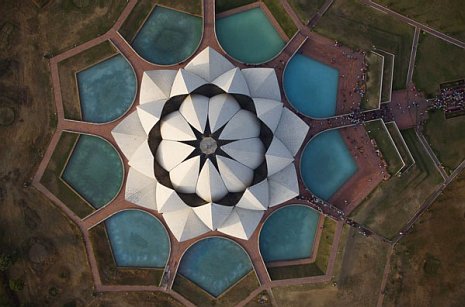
(212, 156)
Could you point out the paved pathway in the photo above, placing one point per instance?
(414, 23)
(413, 55)
(431, 154)
(316, 18)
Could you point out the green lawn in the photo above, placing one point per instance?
(225, 5)
(389, 207)
(231, 297)
(447, 16)
(143, 7)
(359, 26)
(311, 269)
(447, 138)
(52, 176)
(306, 8)
(67, 24)
(437, 62)
(388, 70)
(377, 131)
(374, 82)
(401, 145)
(357, 277)
(282, 17)
(67, 70)
(109, 272)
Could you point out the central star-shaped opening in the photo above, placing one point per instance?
(208, 145)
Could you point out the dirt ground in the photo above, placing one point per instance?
(357, 283)
(428, 264)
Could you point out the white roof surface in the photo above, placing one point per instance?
(185, 224)
(168, 200)
(213, 215)
(129, 134)
(249, 152)
(185, 83)
(150, 113)
(283, 185)
(156, 85)
(291, 131)
(209, 64)
(171, 153)
(210, 186)
(142, 160)
(232, 173)
(242, 125)
(277, 157)
(268, 111)
(140, 189)
(241, 223)
(236, 176)
(255, 197)
(195, 110)
(174, 127)
(262, 83)
(184, 176)
(233, 82)
(221, 109)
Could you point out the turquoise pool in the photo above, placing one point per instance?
(94, 170)
(215, 264)
(326, 164)
(138, 239)
(311, 86)
(288, 234)
(168, 36)
(106, 90)
(249, 36)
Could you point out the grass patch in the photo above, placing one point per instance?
(446, 137)
(378, 132)
(427, 265)
(64, 21)
(359, 26)
(135, 19)
(446, 15)
(282, 17)
(306, 8)
(358, 273)
(231, 297)
(142, 9)
(437, 62)
(310, 269)
(52, 181)
(389, 207)
(225, 5)
(374, 82)
(67, 70)
(109, 272)
(400, 145)
(388, 69)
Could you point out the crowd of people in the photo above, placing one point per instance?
(452, 98)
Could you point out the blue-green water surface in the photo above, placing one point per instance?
(94, 170)
(106, 90)
(249, 36)
(215, 264)
(288, 234)
(138, 239)
(168, 36)
(326, 164)
(311, 86)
